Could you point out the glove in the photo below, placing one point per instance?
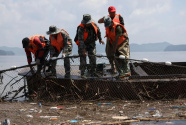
(84, 52)
(32, 70)
(125, 35)
(37, 61)
(63, 55)
(33, 63)
(101, 42)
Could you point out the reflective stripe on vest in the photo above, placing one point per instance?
(111, 34)
(57, 43)
(86, 33)
(33, 48)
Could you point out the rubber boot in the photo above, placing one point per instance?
(83, 75)
(67, 75)
(124, 72)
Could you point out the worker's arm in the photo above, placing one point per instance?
(121, 20)
(99, 35)
(28, 55)
(119, 32)
(29, 59)
(65, 43)
(101, 20)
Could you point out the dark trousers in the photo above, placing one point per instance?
(55, 53)
(91, 51)
(42, 60)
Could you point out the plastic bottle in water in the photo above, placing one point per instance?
(104, 103)
(40, 105)
(6, 122)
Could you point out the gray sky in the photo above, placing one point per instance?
(147, 21)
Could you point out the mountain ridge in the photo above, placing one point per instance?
(134, 47)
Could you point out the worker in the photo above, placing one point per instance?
(118, 39)
(60, 41)
(87, 34)
(38, 46)
(116, 18)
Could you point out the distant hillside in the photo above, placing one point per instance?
(4, 53)
(15, 50)
(176, 48)
(150, 47)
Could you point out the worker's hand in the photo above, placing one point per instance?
(84, 52)
(32, 70)
(101, 42)
(37, 61)
(63, 55)
(125, 35)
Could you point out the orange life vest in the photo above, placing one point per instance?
(111, 34)
(86, 33)
(34, 47)
(116, 18)
(58, 43)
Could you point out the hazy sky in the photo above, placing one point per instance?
(147, 21)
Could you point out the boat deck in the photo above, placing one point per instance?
(75, 72)
(138, 71)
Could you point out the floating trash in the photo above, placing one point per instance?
(73, 121)
(104, 103)
(57, 107)
(40, 105)
(178, 106)
(120, 117)
(29, 116)
(33, 103)
(49, 116)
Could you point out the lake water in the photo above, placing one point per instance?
(8, 61)
(176, 56)
(171, 122)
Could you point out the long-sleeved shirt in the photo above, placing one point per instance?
(39, 52)
(67, 42)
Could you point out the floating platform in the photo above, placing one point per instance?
(148, 81)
